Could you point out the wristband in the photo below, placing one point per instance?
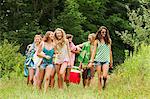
(91, 61)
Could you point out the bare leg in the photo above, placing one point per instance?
(28, 79)
(89, 76)
(84, 77)
(31, 75)
(52, 78)
(47, 77)
(40, 78)
(58, 74)
(88, 82)
(84, 82)
(98, 68)
(67, 76)
(62, 73)
(36, 77)
(92, 70)
(105, 73)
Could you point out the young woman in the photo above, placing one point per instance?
(102, 54)
(32, 67)
(53, 72)
(28, 61)
(74, 50)
(62, 51)
(84, 57)
(47, 63)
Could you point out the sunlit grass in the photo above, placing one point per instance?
(129, 81)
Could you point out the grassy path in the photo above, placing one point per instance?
(130, 80)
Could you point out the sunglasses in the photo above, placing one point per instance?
(103, 32)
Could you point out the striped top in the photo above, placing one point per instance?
(103, 53)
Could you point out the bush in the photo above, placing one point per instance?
(11, 61)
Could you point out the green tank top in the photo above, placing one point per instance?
(103, 53)
(49, 53)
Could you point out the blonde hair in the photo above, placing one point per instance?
(38, 36)
(93, 35)
(60, 43)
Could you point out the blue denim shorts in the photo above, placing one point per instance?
(97, 63)
(44, 65)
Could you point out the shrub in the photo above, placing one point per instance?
(11, 61)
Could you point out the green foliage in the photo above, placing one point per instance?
(140, 22)
(24, 35)
(94, 11)
(71, 19)
(11, 61)
(132, 77)
(21, 19)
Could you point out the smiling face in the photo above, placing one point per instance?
(51, 35)
(37, 39)
(103, 32)
(90, 38)
(59, 35)
(70, 39)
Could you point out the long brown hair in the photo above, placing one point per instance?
(107, 36)
(46, 36)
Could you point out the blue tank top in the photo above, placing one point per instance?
(49, 53)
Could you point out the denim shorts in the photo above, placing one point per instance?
(97, 63)
(44, 65)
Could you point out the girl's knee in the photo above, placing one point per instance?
(47, 78)
(52, 77)
(99, 76)
(59, 76)
(105, 76)
(61, 73)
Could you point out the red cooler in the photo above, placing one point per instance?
(75, 75)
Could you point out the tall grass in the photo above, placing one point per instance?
(130, 80)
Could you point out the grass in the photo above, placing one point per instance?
(131, 80)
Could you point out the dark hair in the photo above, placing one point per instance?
(106, 38)
(39, 33)
(69, 36)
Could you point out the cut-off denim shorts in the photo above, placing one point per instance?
(44, 65)
(97, 63)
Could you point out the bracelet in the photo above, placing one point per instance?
(91, 61)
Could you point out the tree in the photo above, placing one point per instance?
(70, 20)
(140, 22)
